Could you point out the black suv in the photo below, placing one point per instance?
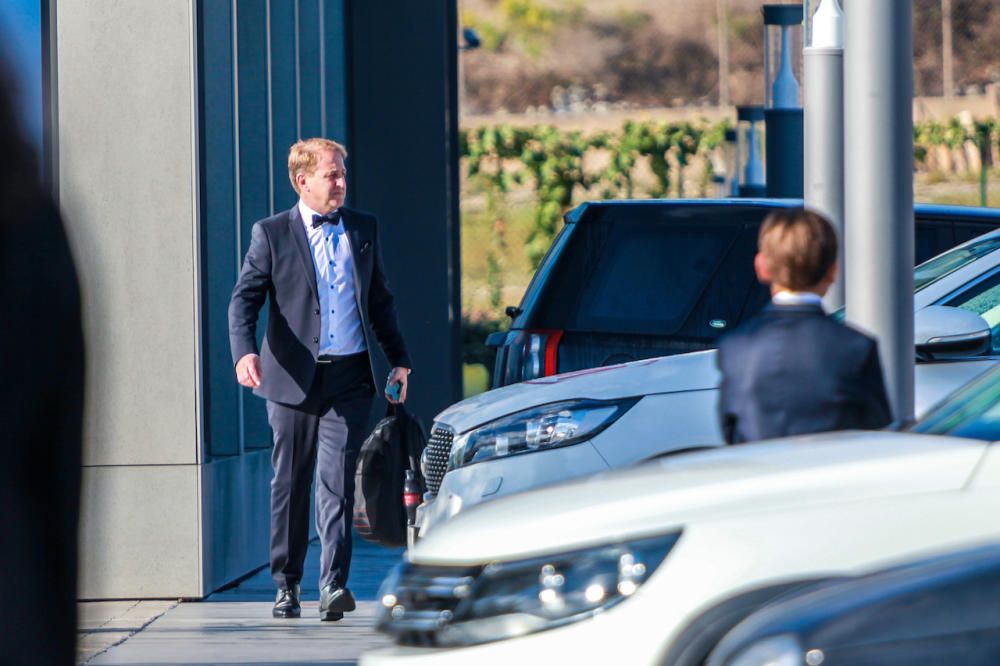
(626, 280)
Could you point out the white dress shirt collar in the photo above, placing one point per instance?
(786, 297)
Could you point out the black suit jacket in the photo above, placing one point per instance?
(792, 370)
(279, 266)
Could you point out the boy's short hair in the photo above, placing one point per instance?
(799, 247)
(304, 155)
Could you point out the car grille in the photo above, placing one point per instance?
(438, 450)
(425, 602)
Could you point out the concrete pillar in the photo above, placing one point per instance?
(129, 193)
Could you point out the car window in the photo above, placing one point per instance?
(633, 286)
(949, 262)
(647, 269)
(982, 298)
(973, 411)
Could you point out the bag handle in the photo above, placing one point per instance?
(403, 419)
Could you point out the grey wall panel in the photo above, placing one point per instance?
(139, 536)
(217, 178)
(284, 109)
(235, 517)
(310, 91)
(254, 166)
(336, 92)
(404, 169)
(126, 142)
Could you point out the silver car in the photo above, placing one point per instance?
(553, 429)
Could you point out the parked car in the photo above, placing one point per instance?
(613, 568)
(552, 429)
(627, 280)
(941, 610)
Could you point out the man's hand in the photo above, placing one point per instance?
(248, 371)
(398, 375)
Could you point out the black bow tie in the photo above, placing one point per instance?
(330, 218)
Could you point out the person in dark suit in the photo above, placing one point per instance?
(41, 408)
(792, 370)
(319, 265)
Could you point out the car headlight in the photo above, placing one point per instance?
(783, 650)
(543, 427)
(508, 599)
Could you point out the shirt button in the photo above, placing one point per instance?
(315, 339)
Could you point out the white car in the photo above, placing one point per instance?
(613, 568)
(553, 429)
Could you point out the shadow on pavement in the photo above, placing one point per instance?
(369, 566)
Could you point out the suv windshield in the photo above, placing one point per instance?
(944, 264)
(951, 261)
(973, 411)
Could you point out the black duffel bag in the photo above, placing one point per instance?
(393, 447)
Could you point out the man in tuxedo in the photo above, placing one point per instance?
(792, 370)
(319, 265)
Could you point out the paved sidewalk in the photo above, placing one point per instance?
(104, 624)
(235, 626)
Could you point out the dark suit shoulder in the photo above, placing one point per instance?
(357, 213)
(854, 337)
(276, 220)
(359, 216)
(813, 324)
(744, 331)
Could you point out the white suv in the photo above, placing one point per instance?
(553, 429)
(614, 568)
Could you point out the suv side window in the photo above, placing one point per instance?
(649, 280)
(983, 298)
(649, 271)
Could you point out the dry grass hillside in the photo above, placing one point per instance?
(654, 53)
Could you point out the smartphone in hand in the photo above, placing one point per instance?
(392, 390)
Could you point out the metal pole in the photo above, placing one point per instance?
(723, 12)
(947, 52)
(823, 102)
(878, 132)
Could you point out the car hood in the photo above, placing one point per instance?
(695, 371)
(666, 494)
(666, 374)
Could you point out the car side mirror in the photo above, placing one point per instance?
(943, 332)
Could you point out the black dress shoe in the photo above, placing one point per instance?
(334, 601)
(286, 604)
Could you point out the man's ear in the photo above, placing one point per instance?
(760, 268)
(300, 180)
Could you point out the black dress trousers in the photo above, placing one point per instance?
(322, 435)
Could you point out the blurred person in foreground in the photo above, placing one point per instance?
(792, 370)
(41, 408)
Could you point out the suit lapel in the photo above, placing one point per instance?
(361, 248)
(301, 242)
